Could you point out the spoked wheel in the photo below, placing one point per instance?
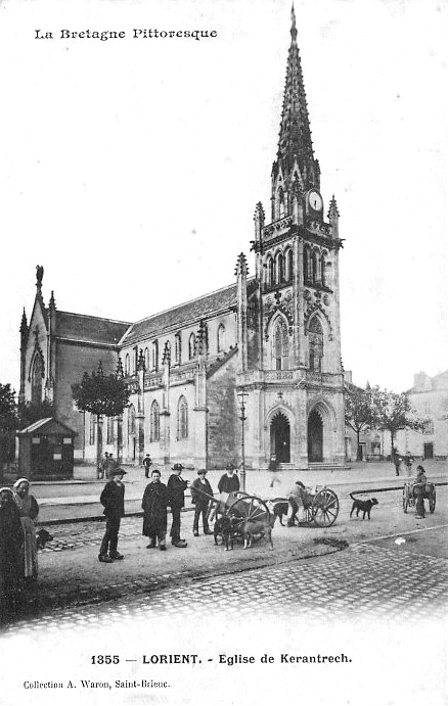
(405, 499)
(325, 508)
(432, 501)
(308, 516)
(248, 508)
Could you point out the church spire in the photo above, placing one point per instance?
(295, 155)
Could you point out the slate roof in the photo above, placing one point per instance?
(201, 308)
(89, 328)
(49, 425)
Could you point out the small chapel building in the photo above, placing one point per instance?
(271, 339)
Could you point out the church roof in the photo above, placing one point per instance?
(89, 328)
(179, 316)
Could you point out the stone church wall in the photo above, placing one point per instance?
(223, 419)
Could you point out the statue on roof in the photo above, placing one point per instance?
(39, 275)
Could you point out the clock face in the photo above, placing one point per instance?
(315, 200)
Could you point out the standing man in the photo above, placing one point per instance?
(396, 460)
(109, 465)
(176, 500)
(201, 502)
(229, 482)
(147, 465)
(155, 500)
(100, 469)
(112, 498)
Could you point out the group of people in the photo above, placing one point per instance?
(407, 459)
(18, 543)
(157, 498)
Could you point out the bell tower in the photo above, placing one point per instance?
(297, 252)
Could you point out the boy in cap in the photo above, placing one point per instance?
(176, 500)
(112, 498)
(200, 501)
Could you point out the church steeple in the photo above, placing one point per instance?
(295, 162)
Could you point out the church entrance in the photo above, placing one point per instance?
(280, 438)
(315, 437)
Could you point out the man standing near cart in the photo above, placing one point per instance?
(201, 502)
(176, 500)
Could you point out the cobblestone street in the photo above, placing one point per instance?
(364, 581)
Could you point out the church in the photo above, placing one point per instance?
(256, 364)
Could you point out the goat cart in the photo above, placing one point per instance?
(409, 497)
(247, 513)
(320, 507)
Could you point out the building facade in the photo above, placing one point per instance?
(272, 340)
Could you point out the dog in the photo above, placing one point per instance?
(259, 528)
(278, 508)
(363, 506)
(43, 537)
(224, 528)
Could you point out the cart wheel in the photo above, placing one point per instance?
(325, 508)
(308, 516)
(432, 501)
(248, 508)
(405, 499)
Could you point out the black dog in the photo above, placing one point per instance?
(43, 537)
(363, 506)
(224, 528)
(279, 508)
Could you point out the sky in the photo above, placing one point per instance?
(130, 168)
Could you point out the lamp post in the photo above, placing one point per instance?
(242, 394)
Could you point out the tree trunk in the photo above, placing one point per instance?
(99, 443)
(358, 450)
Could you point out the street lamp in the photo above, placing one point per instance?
(242, 394)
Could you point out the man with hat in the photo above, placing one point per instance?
(112, 498)
(201, 501)
(176, 500)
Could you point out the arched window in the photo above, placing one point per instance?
(177, 349)
(316, 344)
(191, 346)
(280, 348)
(127, 364)
(131, 420)
(37, 375)
(155, 422)
(279, 268)
(92, 427)
(182, 418)
(155, 355)
(306, 265)
(315, 267)
(270, 268)
(322, 270)
(221, 338)
(288, 265)
(146, 358)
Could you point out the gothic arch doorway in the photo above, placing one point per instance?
(315, 437)
(281, 438)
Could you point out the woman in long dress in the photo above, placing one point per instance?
(11, 539)
(28, 510)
